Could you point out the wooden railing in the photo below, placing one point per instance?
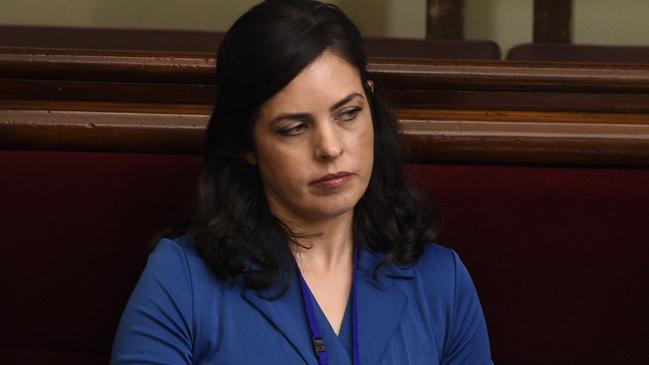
(451, 111)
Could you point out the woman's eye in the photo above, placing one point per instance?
(292, 130)
(349, 114)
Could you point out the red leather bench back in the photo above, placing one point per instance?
(559, 255)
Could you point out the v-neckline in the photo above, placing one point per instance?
(343, 339)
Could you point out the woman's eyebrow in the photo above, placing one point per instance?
(303, 116)
(294, 116)
(345, 100)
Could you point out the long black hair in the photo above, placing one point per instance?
(234, 228)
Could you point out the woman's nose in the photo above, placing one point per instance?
(328, 144)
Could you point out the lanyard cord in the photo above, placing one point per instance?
(316, 335)
(355, 354)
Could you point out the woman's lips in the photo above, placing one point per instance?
(332, 181)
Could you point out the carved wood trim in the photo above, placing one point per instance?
(198, 68)
(427, 136)
(499, 112)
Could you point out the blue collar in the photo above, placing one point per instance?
(367, 261)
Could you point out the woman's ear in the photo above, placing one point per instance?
(250, 157)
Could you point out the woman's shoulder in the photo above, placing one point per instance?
(436, 259)
(177, 257)
(438, 268)
(448, 286)
(441, 267)
(166, 310)
(178, 248)
(176, 253)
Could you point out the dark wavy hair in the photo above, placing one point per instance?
(234, 228)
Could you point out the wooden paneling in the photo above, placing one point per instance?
(526, 137)
(114, 66)
(427, 135)
(150, 40)
(450, 111)
(579, 53)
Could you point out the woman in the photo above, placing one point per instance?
(307, 246)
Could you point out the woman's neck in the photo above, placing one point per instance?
(327, 246)
(326, 264)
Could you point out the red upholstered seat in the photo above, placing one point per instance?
(12, 356)
(77, 228)
(559, 255)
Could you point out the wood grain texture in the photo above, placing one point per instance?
(499, 112)
(526, 137)
(108, 65)
(426, 136)
(132, 67)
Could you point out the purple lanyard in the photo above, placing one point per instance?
(316, 335)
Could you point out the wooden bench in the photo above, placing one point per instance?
(539, 170)
(548, 52)
(147, 40)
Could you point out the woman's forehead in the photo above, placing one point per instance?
(321, 84)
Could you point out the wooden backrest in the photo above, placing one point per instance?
(542, 52)
(538, 169)
(147, 40)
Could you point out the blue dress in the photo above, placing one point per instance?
(181, 313)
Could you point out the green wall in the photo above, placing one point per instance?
(508, 22)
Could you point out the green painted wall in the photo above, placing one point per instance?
(158, 14)
(508, 22)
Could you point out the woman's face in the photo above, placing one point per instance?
(314, 143)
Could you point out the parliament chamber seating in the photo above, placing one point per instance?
(208, 42)
(448, 49)
(549, 52)
(540, 176)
